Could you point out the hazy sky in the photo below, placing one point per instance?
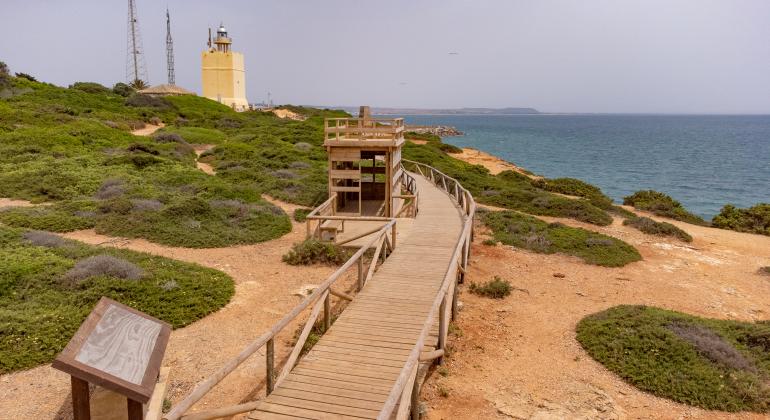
(684, 56)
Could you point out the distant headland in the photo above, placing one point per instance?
(444, 111)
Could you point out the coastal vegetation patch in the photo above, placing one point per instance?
(578, 188)
(313, 251)
(496, 288)
(49, 284)
(754, 219)
(652, 227)
(707, 363)
(523, 231)
(508, 189)
(663, 205)
(71, 147)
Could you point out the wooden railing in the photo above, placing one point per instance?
(320, 299)
(363, 129)
(405, 392)
(326, 211)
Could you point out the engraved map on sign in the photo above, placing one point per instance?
(120, 344)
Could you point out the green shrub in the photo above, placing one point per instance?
(123, 90)
(26, 76)
(754, 219)
(516, 229)
(576, 188)
(663, 205)
(649, 226)
(49, 289)
(707, 363)
(300, 214)
(764, 270)
(496, 288)
(90, 87)
(312, 251)
(140, 100)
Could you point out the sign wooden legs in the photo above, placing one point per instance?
(135, 410)
(81, 404)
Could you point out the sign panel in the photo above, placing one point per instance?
(118, 348)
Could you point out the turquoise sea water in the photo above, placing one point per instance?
(702, 161)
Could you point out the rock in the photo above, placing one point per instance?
(559, 275)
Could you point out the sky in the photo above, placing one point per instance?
(605, 56)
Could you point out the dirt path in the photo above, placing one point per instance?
(199, 150)
(518, 357)
(264, 292)
(148, 129)
(10, 202)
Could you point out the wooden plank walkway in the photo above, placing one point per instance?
(351, 370)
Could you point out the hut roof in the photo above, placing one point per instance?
(165, 89)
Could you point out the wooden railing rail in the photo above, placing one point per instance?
(326, 211)
(320, 298)
(445, 303)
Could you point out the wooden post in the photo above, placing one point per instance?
(393, 237)
(327, 313)
(81, 405)
(415, 403)
(455, 292)
(360, 273)
(442, 325)
(270, 365)
(135, 410)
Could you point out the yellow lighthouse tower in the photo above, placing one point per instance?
(224, 77)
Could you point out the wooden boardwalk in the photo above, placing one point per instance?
(351, 370)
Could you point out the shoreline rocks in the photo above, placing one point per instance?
(439, 130)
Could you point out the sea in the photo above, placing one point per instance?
(703, 161)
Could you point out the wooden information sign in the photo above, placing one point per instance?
(117, 348)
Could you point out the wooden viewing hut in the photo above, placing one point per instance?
(365, 169)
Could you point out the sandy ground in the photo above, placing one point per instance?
(518, 357)
(285, 113)
(493, 163)
(265, 289)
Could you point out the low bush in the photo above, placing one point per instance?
(41, 310)
(754, 219)
(707, 363)
(576, 188)
(764, 270)
(652, 227)
(90, 87)
(312, 251)
(300, 214)
(523, 231)
(42, 238)
(496, 288)
(663, 205)
(147, 101)
(123, 90)
(102, 265)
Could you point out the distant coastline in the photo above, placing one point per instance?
(442, 111)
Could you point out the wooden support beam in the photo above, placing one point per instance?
(270, 363)
(81, 405)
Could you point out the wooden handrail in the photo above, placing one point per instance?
(319, 294)
(406, 378)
